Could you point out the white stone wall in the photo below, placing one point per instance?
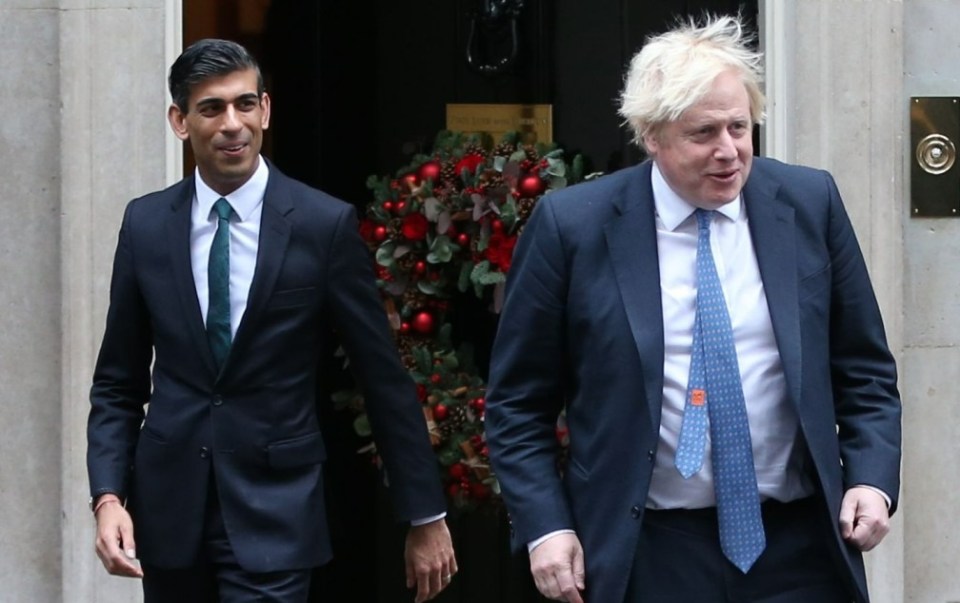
(82, 82)
(113, 137)
(30, 301)
(931, 316)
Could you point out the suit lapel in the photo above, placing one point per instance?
(773, 232)
(632, 242)
(274, 237)
(178, 239)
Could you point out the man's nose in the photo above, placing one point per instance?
(726, 147)
(231, 119)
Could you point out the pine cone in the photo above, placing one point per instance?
(531, 152)
(456, 419)
(446, 172)
(525, 208)
(413, 298)
(504, 149)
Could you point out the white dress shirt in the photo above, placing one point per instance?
(777, 450)
(247, 204)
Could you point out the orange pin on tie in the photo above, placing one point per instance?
(698, 397)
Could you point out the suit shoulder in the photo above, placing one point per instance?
(594, 199)
(791, 175)
(149, 206)
(310, 199)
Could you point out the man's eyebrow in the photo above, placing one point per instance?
(214, 100)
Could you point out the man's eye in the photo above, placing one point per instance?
(209, 110)
(247, 105)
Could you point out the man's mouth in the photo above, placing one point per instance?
(235, 149)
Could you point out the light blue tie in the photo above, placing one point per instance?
(714, 388)
(218, 281)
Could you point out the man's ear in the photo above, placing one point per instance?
(265, 114)
(178, 122)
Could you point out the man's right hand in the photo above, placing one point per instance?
(115, 545)
(557, 567)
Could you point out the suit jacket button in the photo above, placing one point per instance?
(651, 455)
(217, 400)
(204, 452)
(635, 511)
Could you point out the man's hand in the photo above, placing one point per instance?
(557, 567)
(864, 517)
(429, 558)
(115, 545)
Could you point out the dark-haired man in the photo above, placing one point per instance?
(226, 288)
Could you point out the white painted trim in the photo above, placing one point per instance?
(172, 46)
(776, 43)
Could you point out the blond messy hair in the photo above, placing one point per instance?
(674, 70)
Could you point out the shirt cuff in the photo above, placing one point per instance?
(878, 491)
(426, 520)
(535, 543)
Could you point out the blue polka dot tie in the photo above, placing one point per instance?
(714, 391)
(218, 281)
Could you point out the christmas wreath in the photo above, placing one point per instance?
(446, 225)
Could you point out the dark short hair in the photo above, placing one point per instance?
(205, 59)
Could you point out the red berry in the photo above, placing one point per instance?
(463, 239)
(380, 233)
(420, 267)
(497, 226)
(400, 206)
(404, 327)
(388, 205)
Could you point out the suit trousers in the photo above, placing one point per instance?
(217, 577)
(679, 559)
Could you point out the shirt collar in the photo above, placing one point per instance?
(243, 200)
(673, 210)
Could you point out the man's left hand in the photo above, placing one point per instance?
(429, 557)
(864, 517)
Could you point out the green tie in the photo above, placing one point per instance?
(218, 275)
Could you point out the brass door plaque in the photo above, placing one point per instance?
(533, 122)
(934, 173)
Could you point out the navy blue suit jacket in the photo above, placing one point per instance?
(255, 423)
(582, 327)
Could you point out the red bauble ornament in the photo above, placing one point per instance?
(469, 163)
(423, 322)
(380, 233)
(388, 206)
(429, 171)
(404, 328)
(440, 412)
(531, 185)
(420, 267)
(410, 180)
(457, 471)
(463, 239)
(497, 226)
(435, 378)
(478, 404)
